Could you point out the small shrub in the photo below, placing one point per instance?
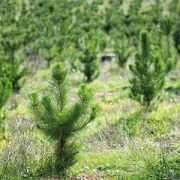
(5, 92)
(176, 34)
(12, 41)
(89, 59)
(168, 49)
(149, 73)
(121, 49)
(49, 51)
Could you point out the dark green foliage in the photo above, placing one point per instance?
(176, 33)
(111, 19)
(72, 58)
(168, 50)
(135, 7)
(148, 71)
(156, 12)
(61, 121)
(11, 42)
(5, 92)
(133, 20)
(89, 59)
(49, 51)
(5, 86)
(166, 25)
(121, 49)
(4, 65)
(173, 7)
(156, 35)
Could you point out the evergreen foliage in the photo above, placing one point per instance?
(121, 49)
(49, 51)
(61, 121)
(11, 42)
(72, 58)
(89, 59)
(168, 50)
(149, 72)
(5, 87)
(176, 32)
(133, 20)
(157, 10)
(5, 92)
(156, 35)
(166, 25)
(135, 7)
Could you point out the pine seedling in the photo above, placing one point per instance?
(5, 92)
(12, 42)
(173, 6)
(49, 50)
(156, 35)
(89, 60)
(156, 11)
(5, 87)
(148, 73)
(176, 34)
(135, 7)
(49, 55)
(121, 49)
(60, 120)
(5, 68)
(169, 53)
(71, 56)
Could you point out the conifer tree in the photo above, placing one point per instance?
(149, 72)
(62, 121)
(5, 92)
(156, 11)
(135, 7)
(89, 60)
(121, 49)
(11, 42)
(168, 50)
(166, 27)
(5, 87)
(49, 50)
(176, 33)
(72, 58)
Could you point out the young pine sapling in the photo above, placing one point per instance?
(60, 120)
(121, 49)
(11, 42)
(148, 72)
(168, 49)
(89, 60)
(5, 92)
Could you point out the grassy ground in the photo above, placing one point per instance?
(124, 142)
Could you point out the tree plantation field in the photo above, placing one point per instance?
(90, 89)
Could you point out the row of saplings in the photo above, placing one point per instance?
(60, 119)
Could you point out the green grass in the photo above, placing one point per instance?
(124, 142)
(115, 144)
